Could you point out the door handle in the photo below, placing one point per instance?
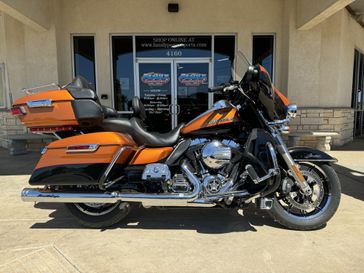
(170, 109)
(178, 109)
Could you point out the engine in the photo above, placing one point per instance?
(216, 155)
(212, 158)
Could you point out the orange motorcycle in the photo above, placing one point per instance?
(229, 156)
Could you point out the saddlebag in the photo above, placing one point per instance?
(82, 159)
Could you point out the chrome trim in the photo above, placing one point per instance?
(39, 103)
(273, 155)
(180, 199)
(56, 135)
(92, 148)
(28, 90)
(103, 178)
(216, 155)
(291, 111)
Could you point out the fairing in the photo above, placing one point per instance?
(274, 102)
(222, 113)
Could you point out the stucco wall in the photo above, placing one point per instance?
(30, 56)
(144, 16)
(320, 61)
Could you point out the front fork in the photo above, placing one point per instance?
(293, 168)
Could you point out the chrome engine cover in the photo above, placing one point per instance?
(156, 171)
(213, 184)
(216, 155)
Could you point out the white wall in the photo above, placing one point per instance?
(320, 60)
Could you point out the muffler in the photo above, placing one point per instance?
(176, 199)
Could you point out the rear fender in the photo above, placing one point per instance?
(307, 154)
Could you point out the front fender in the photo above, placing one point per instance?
(308, 154)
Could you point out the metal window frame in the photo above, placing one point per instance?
(274, 34)
(133, 35)
(4, 79)
(73, 55)
(358, 112)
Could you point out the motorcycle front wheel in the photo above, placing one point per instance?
(292, 209)
(97, 215)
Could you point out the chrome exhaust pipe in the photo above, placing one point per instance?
(176, 199)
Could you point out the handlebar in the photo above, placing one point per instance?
(224, 88)
(214, 89)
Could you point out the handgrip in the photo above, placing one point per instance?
(219, 88)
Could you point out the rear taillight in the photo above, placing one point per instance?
(51, 129)
(84, 148)
(18, 111)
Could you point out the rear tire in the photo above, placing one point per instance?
(93, 215)
(327, 207)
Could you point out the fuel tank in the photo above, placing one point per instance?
(221, 118)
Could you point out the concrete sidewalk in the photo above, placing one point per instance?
(44, 238)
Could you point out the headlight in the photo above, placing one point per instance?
(291, 111)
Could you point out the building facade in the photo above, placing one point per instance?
(169, 57)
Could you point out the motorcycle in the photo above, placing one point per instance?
(229, 156)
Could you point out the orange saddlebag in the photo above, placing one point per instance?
(82, 159)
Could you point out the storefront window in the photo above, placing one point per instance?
(224, 54)
(123, 72)
(263, 52)
(173, 46)
(146, 57)
(84, 58)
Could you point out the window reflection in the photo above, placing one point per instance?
(224, 54)
(84, 58)
(123, 72)
(263, 47)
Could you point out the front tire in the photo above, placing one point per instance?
(96, 215)
(292, 214)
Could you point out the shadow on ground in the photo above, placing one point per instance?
(17, 164)
(204, 220)
(356, 145)
(352, 181)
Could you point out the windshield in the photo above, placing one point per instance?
(241, 66)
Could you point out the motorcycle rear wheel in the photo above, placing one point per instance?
(293, 211)
(96, 215)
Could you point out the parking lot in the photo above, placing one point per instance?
(44, 238)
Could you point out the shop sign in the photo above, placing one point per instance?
(173, 46)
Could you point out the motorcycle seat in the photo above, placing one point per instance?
(137, 130)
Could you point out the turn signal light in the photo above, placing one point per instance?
(18, 111)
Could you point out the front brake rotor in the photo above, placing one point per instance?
(299, 201)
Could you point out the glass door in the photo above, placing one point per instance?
(191, 85)
(173, 91)
(156, 92)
